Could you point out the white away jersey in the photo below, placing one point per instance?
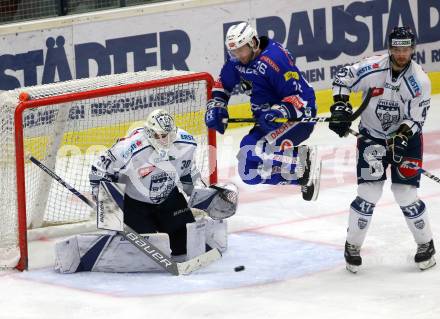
(149, 176)
(404, 100)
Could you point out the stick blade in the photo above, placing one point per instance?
(187, 267)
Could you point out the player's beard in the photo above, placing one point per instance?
(400, 62)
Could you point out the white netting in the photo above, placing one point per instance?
(67, 137)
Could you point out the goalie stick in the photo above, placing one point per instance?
(370, 93)
(160, 258)
(405, 163)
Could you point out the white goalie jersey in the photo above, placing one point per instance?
(405, 99)
(149, 176)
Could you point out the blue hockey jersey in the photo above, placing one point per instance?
(270, 78)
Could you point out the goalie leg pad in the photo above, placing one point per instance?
(204, 234)
(196, 240)
(106, 253)
(217, 234)
(67, 256)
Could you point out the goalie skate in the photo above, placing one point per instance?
(309, 171)
(424, 257)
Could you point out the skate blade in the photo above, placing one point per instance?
(313, 162)
(317, 181)
(424, 265)
(352, 268)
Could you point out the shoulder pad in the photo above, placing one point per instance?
(185, 137)
(135, 131)
(282, 54)
(371, 64)
(131, 133)
(125, 147)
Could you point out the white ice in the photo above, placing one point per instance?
(292, 251)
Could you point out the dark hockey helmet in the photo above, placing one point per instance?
(401, 37)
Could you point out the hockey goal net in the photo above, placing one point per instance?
(65, 126)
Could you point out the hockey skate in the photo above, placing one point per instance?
(308, 170)
(352, 256)
(424, 257)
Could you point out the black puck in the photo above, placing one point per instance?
(239, 268)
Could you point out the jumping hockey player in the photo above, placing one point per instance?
(394, 122)
(266, 72)
(153, 162)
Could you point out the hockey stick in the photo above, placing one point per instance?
(174, 268)
(404, 163)
(370, 93)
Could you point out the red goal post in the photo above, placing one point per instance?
(66, 125)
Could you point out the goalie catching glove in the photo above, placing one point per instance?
(218, 201)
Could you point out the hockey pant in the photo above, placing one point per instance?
(261, 162)
(169, 217)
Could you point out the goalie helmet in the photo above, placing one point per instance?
(239, 35)
(160, 130)
(401, 37)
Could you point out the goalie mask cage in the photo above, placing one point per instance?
(66, 125)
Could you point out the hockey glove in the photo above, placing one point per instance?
(215, 114)
(341, 111)
(399, 144)
(266, 118)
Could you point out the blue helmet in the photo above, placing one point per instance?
(401, 37)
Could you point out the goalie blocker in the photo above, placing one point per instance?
(112, 253)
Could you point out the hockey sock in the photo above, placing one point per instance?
(417, 221)
(361, 212)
